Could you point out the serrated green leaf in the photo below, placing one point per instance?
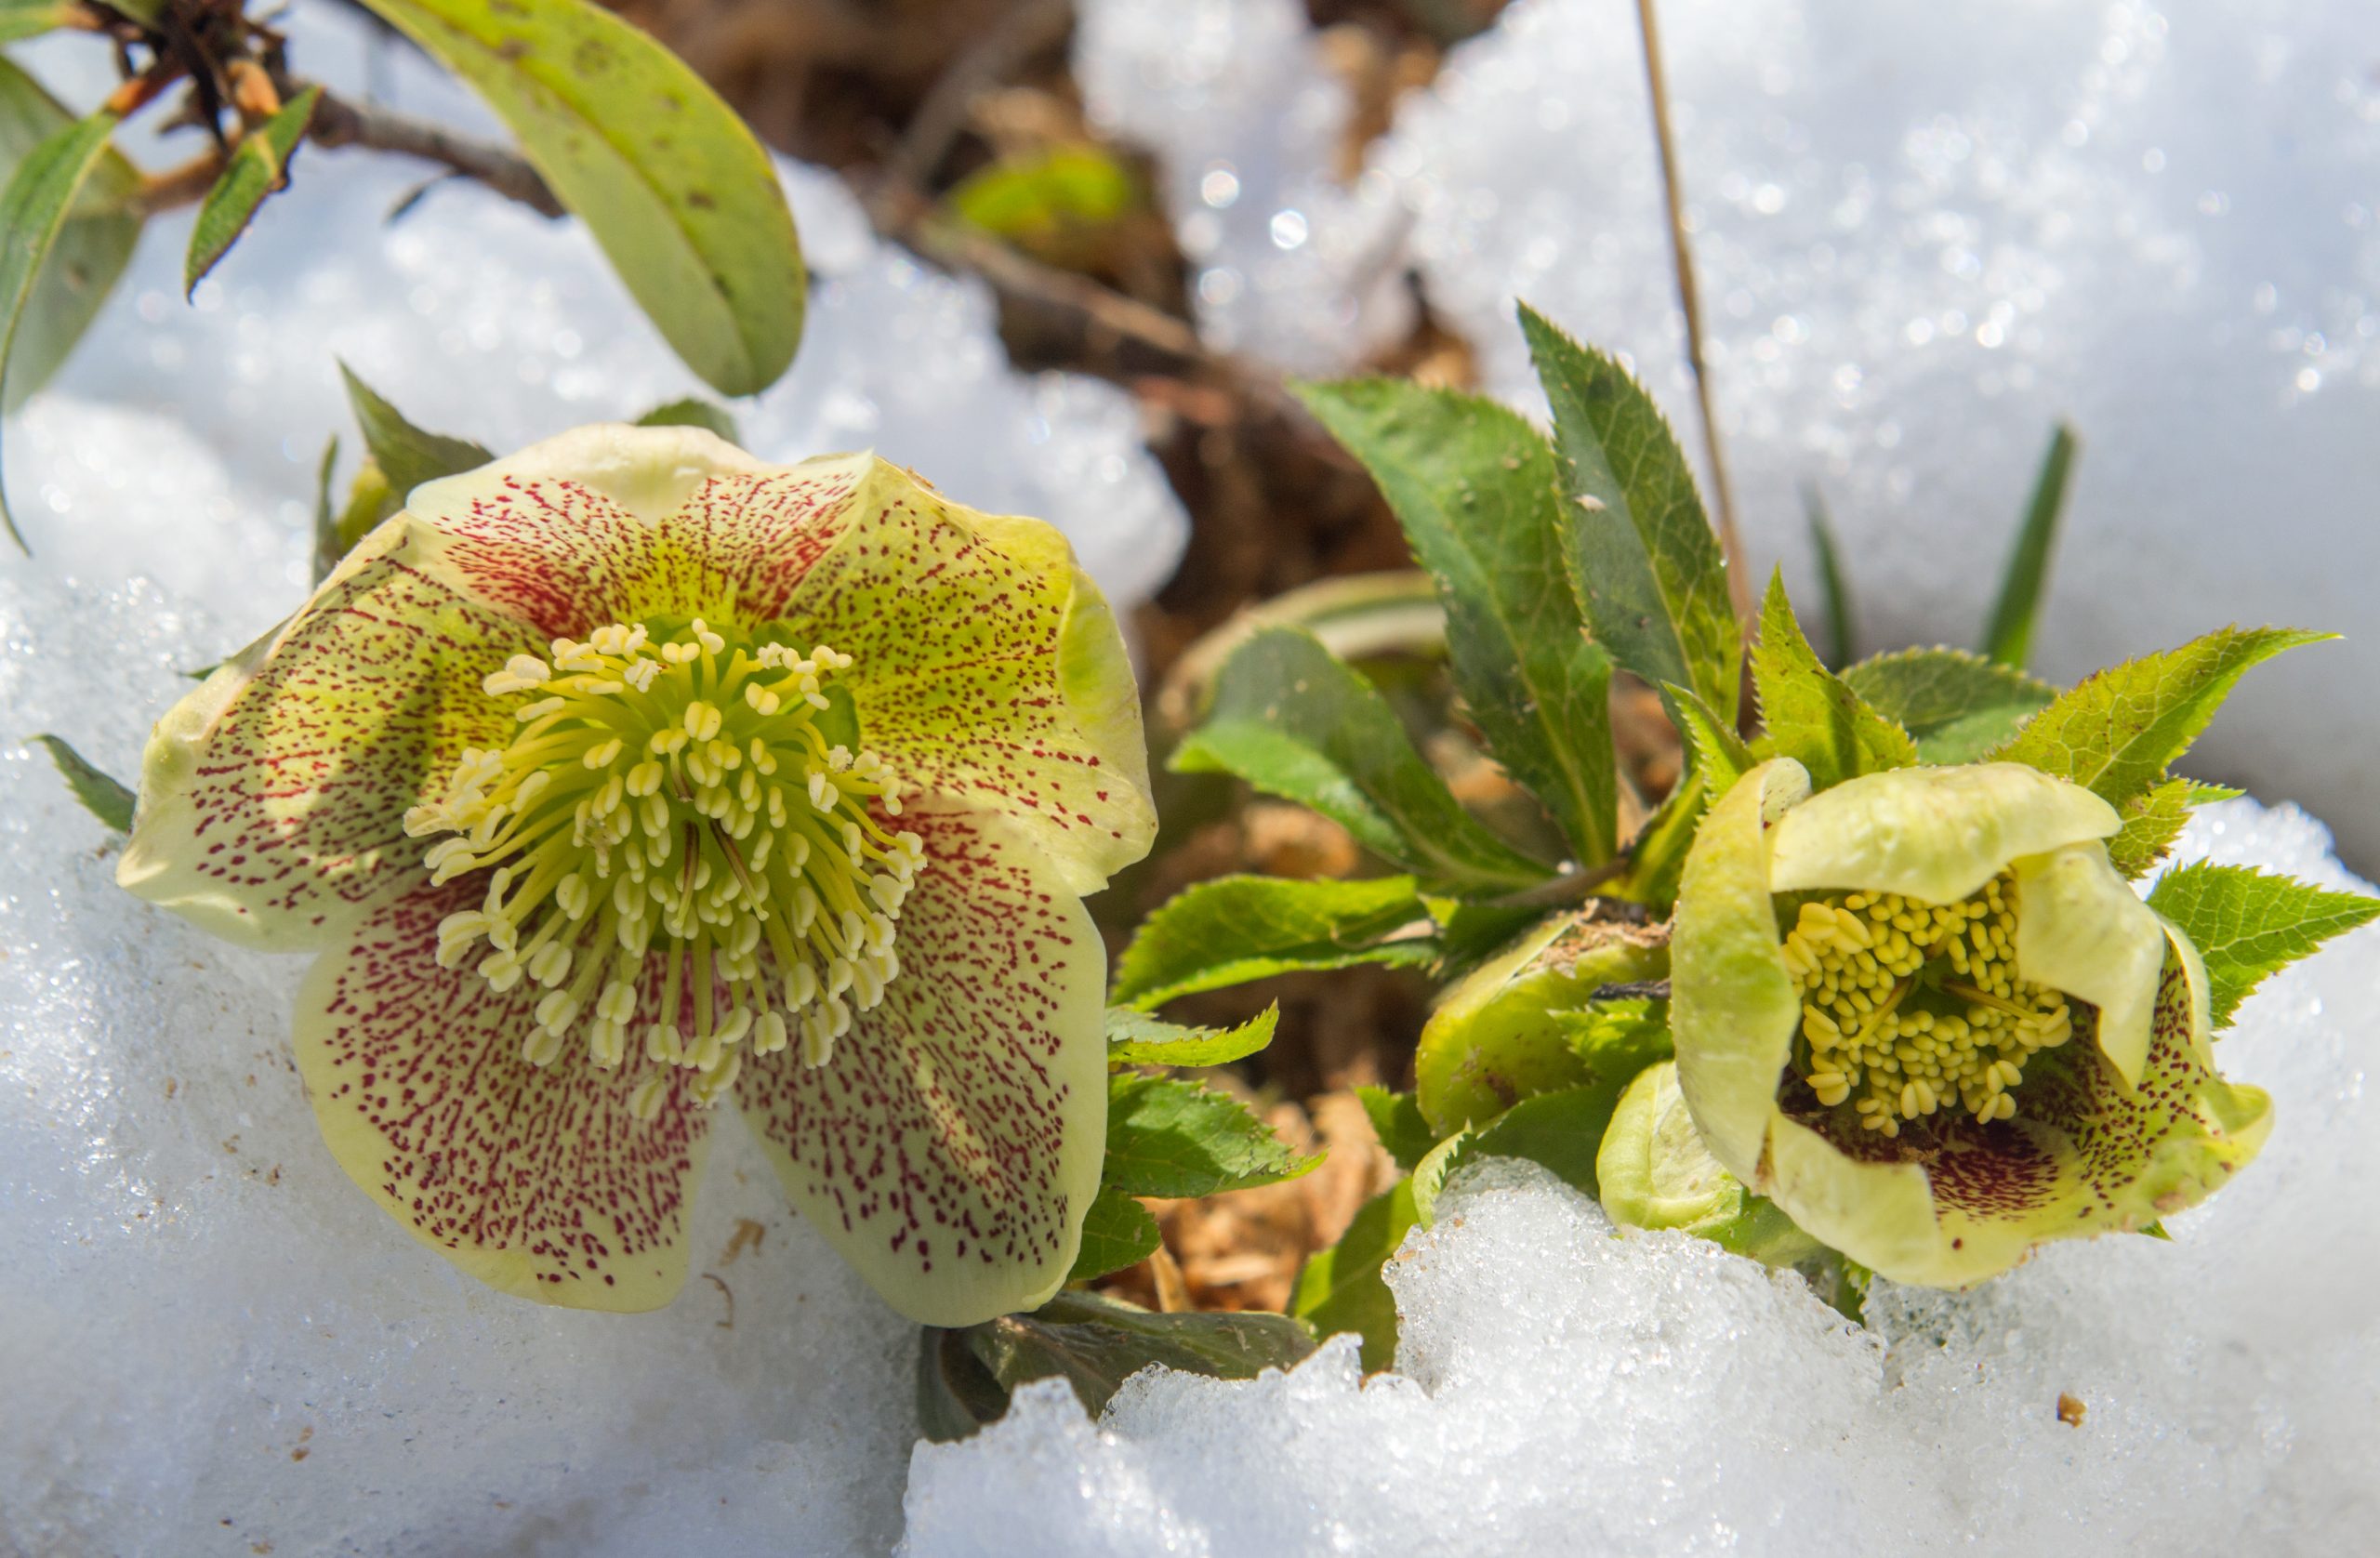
(1437, 1164)
(30, 18)
(2249, 925)
(682, 199)
(406, 456)
(1340, 1289)
(2153, 821)
(1237, 929)
(1719, 754)
(101, 794)
(1137, 1038)
(35, 211)
(1656, 855)
(1639, 552)
(1561, 1132)
(691, 412)
(1474, 487)
(1956, 706)
(1397, 1121)
(1117, 1231)
(259, 166)
(1167, 1137)
(1831, 584)
(89, 253)
(1296, 722)
(1096, 1343)
(2009, 639)
(2118, 732)
(1811, 715)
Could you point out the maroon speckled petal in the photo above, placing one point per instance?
(539, 1180)
(952, 1142)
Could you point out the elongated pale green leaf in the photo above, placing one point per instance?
(1117, 1231)
(1355, 616)
(1167, 1137)
(90, 252)
(2153, 820)
(1397, 1121)
(31, 18)
(2248, 925)
(406, 456)
(1656, 855)
(1640, 553)
(1295, 721)
(2009, 639)
(1956, 706)
(1831, 584)
(1810, 714)
(1137, 1038)
(102, 793)
(328, 548)
(1474, 487)
(673, 185)
(1236, 929)
(1720, 755)
(1340, 1289)
(34, 209)
(691, 412)
(2118, 732)
(258, 166)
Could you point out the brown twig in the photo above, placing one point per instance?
(338, 122)
(1682, 255)
(942, 115)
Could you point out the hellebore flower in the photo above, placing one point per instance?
(1969, 1036)
(631, 774)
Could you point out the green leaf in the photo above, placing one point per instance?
(257, 166)
(1295, 721)
(693, 412)
(2009, 639)
(328, 548)
(2154, 819)
(1810, 714)
(2118, 732)
(956, 1395)
(1720, 755)
(1036, 198)
(30, 18)
(1167, 1137)
(1340, 1289)
(1560, 1130)
(1094, 1343)
(102, 794)
(1117, 1231)
(407, 457)
(1831, 584)
(1656, 855)
(1474, 487)
(1430, 1175)
(2248, 925)
(1236, 929)
(1640, 553)
(682, 199)
(1957, 705)
(1397, 1121)
(34, 214)
(90, 252)
(1136, 1038)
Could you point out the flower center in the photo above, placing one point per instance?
(684, 801)
(1906, 1004)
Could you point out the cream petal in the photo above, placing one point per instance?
(1936, 833)
(2080, 928)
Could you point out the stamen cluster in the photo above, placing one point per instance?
(1906, 1005)
(675, 800)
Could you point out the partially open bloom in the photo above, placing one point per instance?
(631, 775)
(1922, 1013)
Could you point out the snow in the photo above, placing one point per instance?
(1924, 234)
(1562, 1391)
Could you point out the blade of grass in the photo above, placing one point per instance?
(1839, 644)
(2010, 637)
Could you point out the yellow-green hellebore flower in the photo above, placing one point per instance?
(1921, 1013)
(629, 773)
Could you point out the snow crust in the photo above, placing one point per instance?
(1924, 234)
(1564, 1390)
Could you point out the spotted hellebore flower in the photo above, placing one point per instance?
(631, 775)
(1922, 1013)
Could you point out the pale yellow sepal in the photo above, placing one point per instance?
(2080, 928)
(1938, 834)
